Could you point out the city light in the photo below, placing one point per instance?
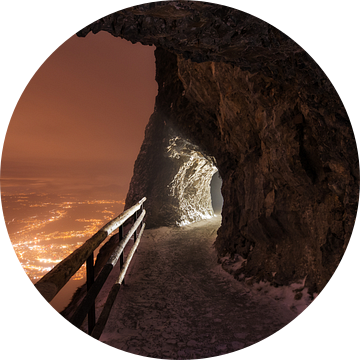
(39, 249)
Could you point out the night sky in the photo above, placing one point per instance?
(80, 122)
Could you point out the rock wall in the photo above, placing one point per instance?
(249, 101)
(173, 174)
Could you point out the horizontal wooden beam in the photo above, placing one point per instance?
(105, 313)
(85, 305)
(51, 283)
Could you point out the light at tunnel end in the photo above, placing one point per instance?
(216, 197)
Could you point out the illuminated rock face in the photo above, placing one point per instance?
(238, 93)
(177, 177)
(191, 184)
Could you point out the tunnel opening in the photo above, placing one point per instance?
(217, 200)
(190, 186)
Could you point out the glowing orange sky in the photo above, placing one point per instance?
(80, 122)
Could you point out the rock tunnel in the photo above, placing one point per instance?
(237, 96)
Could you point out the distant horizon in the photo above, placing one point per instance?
(71, 196)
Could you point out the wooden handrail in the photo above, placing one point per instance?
(51, 283)
(105, 313)
(84, 307)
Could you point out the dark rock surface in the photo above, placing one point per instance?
(238, 93)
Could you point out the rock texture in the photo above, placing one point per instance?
(174, 175)
(244, 98)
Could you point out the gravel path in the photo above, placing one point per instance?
(178, 303)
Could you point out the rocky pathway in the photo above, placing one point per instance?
(178, 303)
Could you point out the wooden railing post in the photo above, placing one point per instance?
(135, 218)
(89, 282)
(50, 284)
(87, 302)
(121, 236)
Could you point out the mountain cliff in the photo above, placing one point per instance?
(238, 96)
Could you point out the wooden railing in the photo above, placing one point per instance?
(50, 284)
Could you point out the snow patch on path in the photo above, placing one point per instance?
(294, 296)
